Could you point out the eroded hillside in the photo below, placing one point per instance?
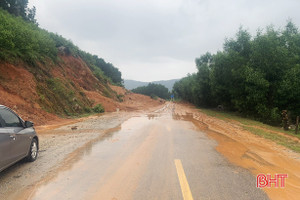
(44, 92)
(44, 76)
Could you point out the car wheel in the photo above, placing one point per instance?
(33, 151)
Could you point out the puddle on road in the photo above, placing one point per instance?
(73, 169)
(76, 168)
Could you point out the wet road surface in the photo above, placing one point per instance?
(154, 156)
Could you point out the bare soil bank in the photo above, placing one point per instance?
(249, 151)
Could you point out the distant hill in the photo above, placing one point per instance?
(131, 84)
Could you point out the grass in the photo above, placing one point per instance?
(279, 139)
(266, 132)
(234, 116)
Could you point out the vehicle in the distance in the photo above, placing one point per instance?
(18, 139)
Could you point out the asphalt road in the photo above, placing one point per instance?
(154, 156)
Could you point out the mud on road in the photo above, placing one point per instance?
(60, 147)
(56, 148)
(251, 152)
(100, 160)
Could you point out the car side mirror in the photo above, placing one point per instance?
(28, 124)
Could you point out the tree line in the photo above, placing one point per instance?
(24, 40)
(153, 90)
(257, 76)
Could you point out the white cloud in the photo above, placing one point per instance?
(132, 34)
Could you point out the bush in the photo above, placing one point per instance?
(87, 110)
(98, 108)
(21, 39)
(153, 97)
(275, 116)
(120, 97)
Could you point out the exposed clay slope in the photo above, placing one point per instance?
(18, 91)
(40, 93)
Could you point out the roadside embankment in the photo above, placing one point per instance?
(250, 151)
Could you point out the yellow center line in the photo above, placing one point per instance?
(185, 188)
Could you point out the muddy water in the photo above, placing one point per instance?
(136, 161)
(88, 164)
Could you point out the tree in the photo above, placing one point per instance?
(153, 90)
(289, 91)
(203, 81)
(256, 76)
(31, 15)
(19, 8)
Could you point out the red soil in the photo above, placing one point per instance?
(18, 90)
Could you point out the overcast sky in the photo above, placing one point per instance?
(151, 40)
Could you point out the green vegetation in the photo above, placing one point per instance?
(153, 90)
(256, 76)
(24, 44)
(227, 116)
(279, 139)
(19, 8)
(24, 41)
(61, 97)
(154, 97)
(100, 68)
(120, 97)
(260, 129)
(98, 108)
